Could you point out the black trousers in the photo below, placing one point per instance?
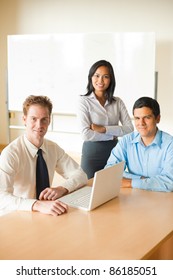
(95, 155)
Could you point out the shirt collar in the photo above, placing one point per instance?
(157, 140)
(33, 149)
(93, 96)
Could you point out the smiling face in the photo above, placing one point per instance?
(146, 123)
(101, 79)
(36, 121)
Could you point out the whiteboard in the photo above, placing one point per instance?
(57, 65)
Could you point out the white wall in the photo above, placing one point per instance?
(56, 16)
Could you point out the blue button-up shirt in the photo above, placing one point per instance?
(154, 162)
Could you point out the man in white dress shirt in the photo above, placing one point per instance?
(18, 165)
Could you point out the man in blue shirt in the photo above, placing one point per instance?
(147, 152)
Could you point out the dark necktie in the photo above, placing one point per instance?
(42, 176)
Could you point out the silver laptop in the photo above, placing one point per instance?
(106, 186)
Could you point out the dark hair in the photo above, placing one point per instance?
(111, 88)
(147, 102)
(41, 100)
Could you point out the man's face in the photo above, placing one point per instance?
(36, 121)
(146, 122)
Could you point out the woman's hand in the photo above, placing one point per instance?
(98, 128)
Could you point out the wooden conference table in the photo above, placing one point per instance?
(136, 225)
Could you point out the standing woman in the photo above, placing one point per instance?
(99, 116)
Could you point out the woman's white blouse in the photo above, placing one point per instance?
(114, 117)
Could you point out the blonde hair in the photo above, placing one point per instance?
(41, 100)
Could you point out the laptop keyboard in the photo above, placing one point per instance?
(78, 198)
(83, 201)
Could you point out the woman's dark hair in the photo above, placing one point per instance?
(147, 102)
(111, 88)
